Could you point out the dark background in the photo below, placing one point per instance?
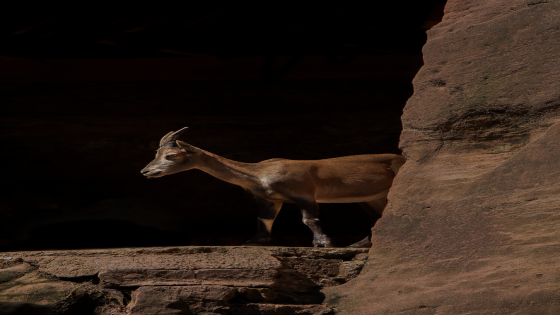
(86, 94)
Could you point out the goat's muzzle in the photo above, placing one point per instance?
(150, 173)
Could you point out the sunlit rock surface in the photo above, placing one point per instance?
(176, 280)
(473, 223)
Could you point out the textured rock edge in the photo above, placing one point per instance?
(215, 280)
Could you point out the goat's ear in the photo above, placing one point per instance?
(185, 147)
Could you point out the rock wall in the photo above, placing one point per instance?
(175, 280)
(473, 224)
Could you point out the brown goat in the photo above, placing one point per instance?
(364, 179)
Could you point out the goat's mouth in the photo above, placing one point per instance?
(153, 174)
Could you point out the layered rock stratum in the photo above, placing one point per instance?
(175, 280)
(473, 221)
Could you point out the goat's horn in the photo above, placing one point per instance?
(170, 138)
(164, 139)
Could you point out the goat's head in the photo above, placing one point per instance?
(172, 156)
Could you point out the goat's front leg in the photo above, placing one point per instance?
(267, 214)
(310, 212)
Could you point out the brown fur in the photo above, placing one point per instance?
(365, 179)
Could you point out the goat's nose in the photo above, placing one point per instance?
(144, 171)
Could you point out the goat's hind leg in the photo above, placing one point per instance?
(268, 210)
(374, 208)
(310, 213)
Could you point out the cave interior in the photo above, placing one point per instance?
(87, 93)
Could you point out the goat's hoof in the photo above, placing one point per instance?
(365, 243)
(322, 244)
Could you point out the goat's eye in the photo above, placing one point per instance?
(170, 156)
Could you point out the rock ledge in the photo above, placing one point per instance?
(176, 280)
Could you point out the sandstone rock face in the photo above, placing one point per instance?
(473, 223)
(175, 280)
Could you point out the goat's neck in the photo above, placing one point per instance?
(230, 171)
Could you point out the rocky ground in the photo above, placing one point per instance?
(175, 280)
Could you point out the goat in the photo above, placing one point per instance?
(364, 179)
